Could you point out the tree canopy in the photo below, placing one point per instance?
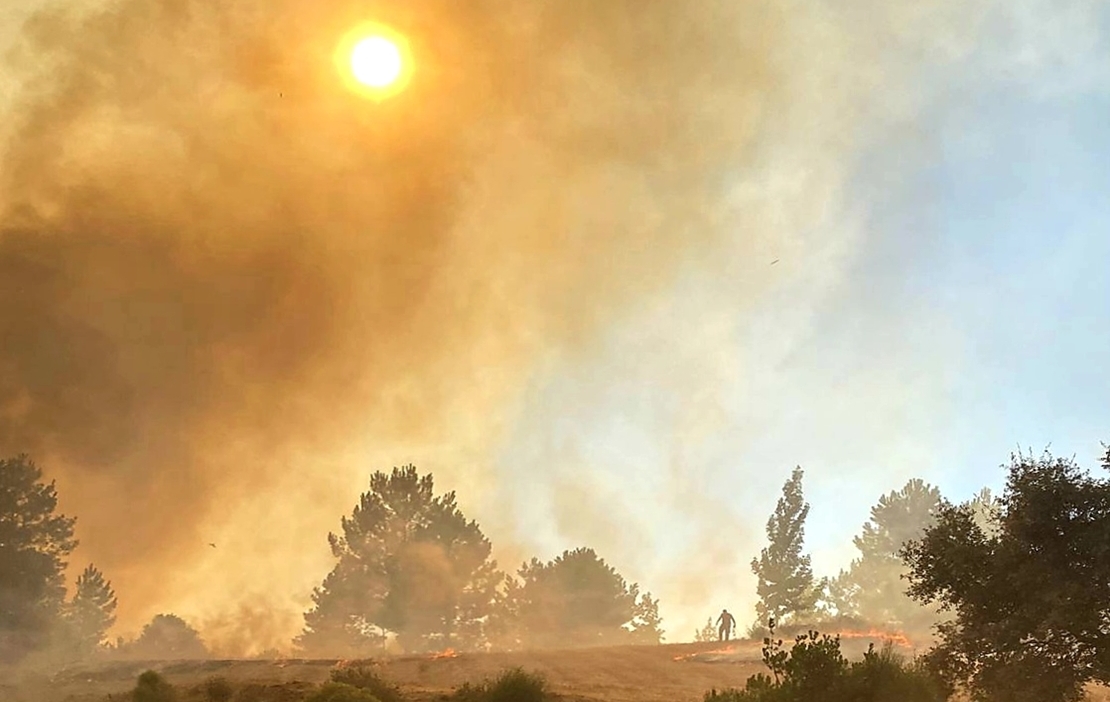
(409, 564)
(91, 612)
(1030, 596)
(34, 543)
(873, 588)
(785, 576)
(577, 599)
(167, 637)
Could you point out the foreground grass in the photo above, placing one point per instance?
(354, 684)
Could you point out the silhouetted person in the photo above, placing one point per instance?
(725, 622)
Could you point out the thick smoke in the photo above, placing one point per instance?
(229, 288)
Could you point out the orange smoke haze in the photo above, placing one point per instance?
(230, 288)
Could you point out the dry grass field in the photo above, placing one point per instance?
(671, 673)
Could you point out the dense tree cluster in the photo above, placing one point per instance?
(411, 568)
(34, 545)
(1018, 584)
(1028, 585)
(1016, 587)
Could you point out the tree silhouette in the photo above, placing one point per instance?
(579, 600)
(786, 587)
(167, 637)
(409, 563)
(34, 543)
(91, 612)
(873, 587)
(1031, 594)
(707, 632)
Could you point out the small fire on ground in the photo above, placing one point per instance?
(446, 653)
(728, 654)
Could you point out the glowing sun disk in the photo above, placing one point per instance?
(376, 62)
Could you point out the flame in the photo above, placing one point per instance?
(446, 653)
(726, 651)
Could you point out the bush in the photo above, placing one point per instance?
(814, 670)
(513, 685)
(340, 692)
(217, 689)
(366, 678)
(885, 675)
(283, 692)
(152, 687)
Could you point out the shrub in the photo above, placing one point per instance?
(152, 687)
(340, 692)
(217, 689)
(814, 670)
(885, 675)
(513, 685)
(366, 678)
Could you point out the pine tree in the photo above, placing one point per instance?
(91, 612)
(34, 543)
(786, 588)
(873, 588)
(646, 624)
(409, 563)
(577, 599)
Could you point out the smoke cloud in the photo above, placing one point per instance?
(230, 288)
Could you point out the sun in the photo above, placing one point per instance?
(374, 61)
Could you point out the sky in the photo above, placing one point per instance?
(969, 320)
(907, 277)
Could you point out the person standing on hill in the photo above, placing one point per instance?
(725, 622)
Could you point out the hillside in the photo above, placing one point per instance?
(671, 672)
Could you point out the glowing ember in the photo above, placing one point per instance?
(896, 638)
(447, 653)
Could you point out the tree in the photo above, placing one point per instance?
(984, 510)
(786, 587)
(873, 588)
(706, 633)
(646, 625)
(577, 599)
(410, 564)
(34, 543)
(1030, 596)
(166, 637)
(91, 612)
